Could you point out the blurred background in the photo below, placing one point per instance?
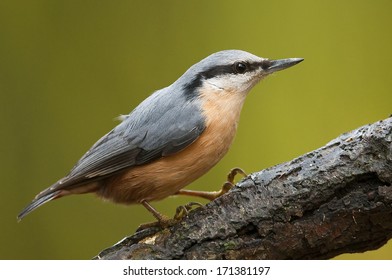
(68, 68)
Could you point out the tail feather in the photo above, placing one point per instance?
(40, 200)
(57, 190)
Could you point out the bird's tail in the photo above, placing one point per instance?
(38, 201)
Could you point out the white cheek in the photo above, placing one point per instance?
(240, 83)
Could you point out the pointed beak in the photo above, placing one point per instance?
(271, 66)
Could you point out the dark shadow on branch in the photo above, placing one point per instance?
(334, 200)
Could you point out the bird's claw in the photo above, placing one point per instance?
(233, 172)
(183, 210)
(165, 222)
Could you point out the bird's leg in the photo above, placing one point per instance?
(162, 220)
(225, 188)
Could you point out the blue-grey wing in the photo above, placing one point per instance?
(156, 128)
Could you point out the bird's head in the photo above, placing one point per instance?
(233, 71)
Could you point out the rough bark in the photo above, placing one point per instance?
(336, 199)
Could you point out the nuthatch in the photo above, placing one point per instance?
(172, 138)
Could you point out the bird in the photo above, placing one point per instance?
(170, 139)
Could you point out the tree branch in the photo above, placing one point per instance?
(334, 200)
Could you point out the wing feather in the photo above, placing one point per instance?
(143, 136)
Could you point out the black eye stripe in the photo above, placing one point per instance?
(229, 69)
(265, 64)
(217, 71)
(220, 70)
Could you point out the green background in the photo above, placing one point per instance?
(67, 68)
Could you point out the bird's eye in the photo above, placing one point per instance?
(240, 67)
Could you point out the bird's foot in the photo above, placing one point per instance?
(215, 194)
(164, 221)
(183, 210)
